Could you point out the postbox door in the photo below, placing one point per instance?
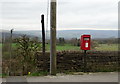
(86, 42)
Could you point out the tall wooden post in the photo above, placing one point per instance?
(11, 36)
(53, 37)
(43, 35)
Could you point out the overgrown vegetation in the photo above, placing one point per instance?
(26, 50)
(24, 60)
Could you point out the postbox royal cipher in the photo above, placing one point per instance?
(85, 42)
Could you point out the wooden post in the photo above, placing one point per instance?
(11, 35)
(43, 35)
(53, 37)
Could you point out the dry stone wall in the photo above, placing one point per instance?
(73, 61)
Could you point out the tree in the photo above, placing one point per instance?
(74, 41)
(61, 41)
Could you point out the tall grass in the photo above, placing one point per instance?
(107, 47)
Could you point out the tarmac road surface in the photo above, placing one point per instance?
(92, 77)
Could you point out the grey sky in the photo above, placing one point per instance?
(71, 14)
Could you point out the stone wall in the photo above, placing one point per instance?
(73, 61)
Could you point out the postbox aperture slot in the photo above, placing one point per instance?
(86, 39)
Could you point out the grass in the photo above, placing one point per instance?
(64, 47)
(106, 47)
(13, 45)
(101, 47)
(0, 45)
(3, 75)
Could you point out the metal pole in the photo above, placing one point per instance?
(53, 37)
(85, 60)
(43, 35)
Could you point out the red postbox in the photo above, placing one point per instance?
(85, 42)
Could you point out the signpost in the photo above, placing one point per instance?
(85, 45)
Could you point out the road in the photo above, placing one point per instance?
(92, 77)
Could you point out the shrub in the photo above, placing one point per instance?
(26, 49)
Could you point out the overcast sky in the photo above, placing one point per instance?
(71, 14)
